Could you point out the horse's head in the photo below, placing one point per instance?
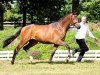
(74, 20)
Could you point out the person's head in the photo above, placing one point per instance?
(84, 19)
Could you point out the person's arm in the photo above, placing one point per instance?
(90, 34)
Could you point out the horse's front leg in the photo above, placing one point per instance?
(62, 43)
(53, 52)
(69, 53)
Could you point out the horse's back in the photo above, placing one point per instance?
(36, 31)
(42, 33)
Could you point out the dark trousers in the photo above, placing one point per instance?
(83, 48)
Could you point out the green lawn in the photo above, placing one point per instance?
(46, 49)
(22, 67)
(42, 67)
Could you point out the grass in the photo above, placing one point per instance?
(42, 67)
(46, 49)
(22, 67)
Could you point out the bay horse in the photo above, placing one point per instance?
(53, 33)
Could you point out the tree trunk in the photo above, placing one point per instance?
(1, 20)
(24, 17)
(75, 4)
(24, 12)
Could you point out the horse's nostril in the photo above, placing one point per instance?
(79, 27)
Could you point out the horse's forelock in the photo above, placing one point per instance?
(74, 12)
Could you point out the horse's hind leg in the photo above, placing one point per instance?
(20, 45)
(31, 43)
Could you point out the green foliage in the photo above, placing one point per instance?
(17, 17)
(83, 13)
(7, 17)
(2, 8)
(10, 16)
(38, 10)
(91, 9)
(41, 9)
(68, 6)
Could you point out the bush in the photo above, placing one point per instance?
(92, 8)
(17, 17)
(10, 16)
(36, 54)
(83, 13)
(7, 15)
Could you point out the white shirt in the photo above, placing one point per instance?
(81, 33)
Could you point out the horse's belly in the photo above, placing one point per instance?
(41, 35)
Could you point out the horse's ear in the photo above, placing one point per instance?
(74, 12)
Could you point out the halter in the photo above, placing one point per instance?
(72, 20)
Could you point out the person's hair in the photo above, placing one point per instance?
(86, 18)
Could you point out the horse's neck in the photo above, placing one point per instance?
(65, 22)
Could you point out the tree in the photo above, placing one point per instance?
(24, 8)
(91, 8)
(1, 15)
(2, 9)
(41, 9)
(1, 20)
(51, 9)
(75, 4)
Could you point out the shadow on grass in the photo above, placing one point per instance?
(62, 62)
(56, 62)
(88, 61)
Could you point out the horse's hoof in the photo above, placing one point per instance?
(67, 60)
(12, 62)
(25, 48)
(30, 62)
(50, 62)
(69, 56)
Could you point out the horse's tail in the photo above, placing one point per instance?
(11, 38)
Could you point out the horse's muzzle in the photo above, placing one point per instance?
(78, 26)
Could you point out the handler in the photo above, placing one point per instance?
(80, 38)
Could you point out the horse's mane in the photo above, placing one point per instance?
(60, 20)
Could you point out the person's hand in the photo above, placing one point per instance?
(96, 39)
